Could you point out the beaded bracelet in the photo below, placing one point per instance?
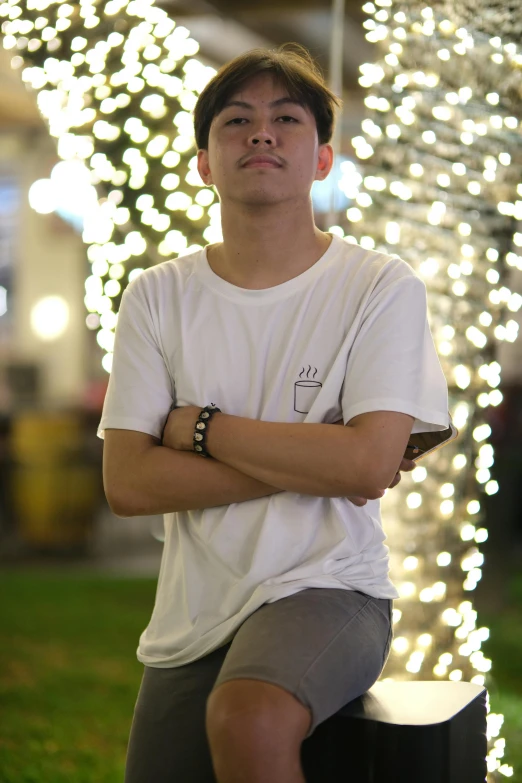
(200, 432)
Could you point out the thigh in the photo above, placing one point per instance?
(324, 645)
(168, 741)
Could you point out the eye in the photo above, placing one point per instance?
(237, 120)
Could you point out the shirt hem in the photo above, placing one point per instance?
(388, 587)
(126, 423)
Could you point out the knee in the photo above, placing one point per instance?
(245, 706)
(232, 704)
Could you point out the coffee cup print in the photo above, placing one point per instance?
(306, 390)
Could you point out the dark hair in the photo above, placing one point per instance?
(292, 66)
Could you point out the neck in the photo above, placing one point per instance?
(266, 245)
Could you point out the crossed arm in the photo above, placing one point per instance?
(254, 459)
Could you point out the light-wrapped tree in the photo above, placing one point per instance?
(438, 182)
(116, 83)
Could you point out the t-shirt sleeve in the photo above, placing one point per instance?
(393, 364)
(140, 391)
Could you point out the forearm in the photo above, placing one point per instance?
(163, 480)
(311, 459)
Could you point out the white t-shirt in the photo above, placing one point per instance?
(347, 336)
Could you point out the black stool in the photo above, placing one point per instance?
(403, 732)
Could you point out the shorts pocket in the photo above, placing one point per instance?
(390, 633)
(387, 647)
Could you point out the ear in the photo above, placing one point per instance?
(324, 162)
(204, 167)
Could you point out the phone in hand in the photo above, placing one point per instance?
(421, 444)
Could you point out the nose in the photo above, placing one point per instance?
(261, 137)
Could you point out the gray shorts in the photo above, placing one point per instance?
(324, 645)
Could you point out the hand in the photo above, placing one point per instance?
(179, 428)
(406, 465)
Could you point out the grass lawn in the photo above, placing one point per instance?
(69, 675)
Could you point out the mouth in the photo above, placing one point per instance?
(262, 161)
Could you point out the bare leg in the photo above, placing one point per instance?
(255, 731)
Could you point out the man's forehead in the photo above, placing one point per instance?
(266, 79)
(240, 100)
(278, 95)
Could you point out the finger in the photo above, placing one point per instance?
(357, 501)
(395, 481)
(407, 465)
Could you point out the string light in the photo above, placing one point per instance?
(437, 182)
(118, 100)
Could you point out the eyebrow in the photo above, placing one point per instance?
(278, 102)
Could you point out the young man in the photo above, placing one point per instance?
(274, 603)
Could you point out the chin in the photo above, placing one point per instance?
(264, 197)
